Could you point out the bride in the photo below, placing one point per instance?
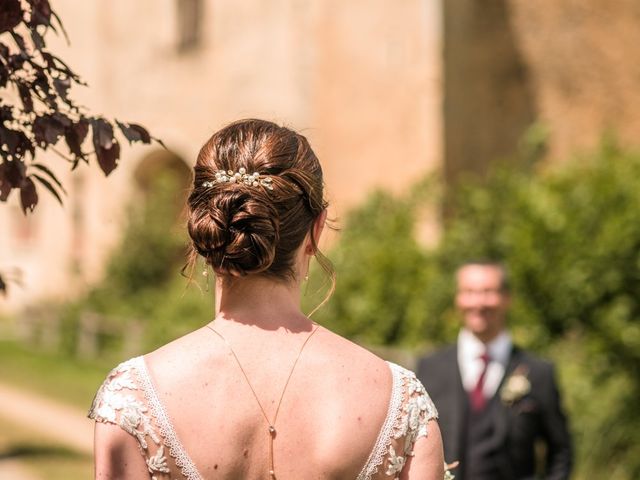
(262, 392)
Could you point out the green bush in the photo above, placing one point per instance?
(142, 281)
(380, 265)
(570, 236)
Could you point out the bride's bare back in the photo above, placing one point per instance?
(336, 400)
(332, 414)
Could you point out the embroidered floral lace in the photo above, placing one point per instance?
(127, 398)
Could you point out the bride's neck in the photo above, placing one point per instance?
(259, 301)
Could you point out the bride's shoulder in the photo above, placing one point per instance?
(336, 346)
(122, 390)
(397, 402)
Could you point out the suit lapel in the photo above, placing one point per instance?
(514, 360)
(502, 420)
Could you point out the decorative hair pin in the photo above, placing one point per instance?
(241, 176)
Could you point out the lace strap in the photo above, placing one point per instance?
(376, 457)
(119, 402)
(410, 410)
(168, 433)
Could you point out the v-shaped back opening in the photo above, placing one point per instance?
(188, 467)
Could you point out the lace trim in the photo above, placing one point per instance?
(377, 455)
(176, 450)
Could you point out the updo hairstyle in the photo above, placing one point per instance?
(242, 229)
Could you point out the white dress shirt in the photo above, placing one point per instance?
(470, 349)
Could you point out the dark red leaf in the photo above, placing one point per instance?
(41, 86)
(50, 174)
(6, 113)
(40, 13)
(4, 76)
(9, 138)
(22, 45)
(17, 143)
(108, 157)
(134, 132)
(62, 86)
(62, 119)
(25, 96)
(10, 14)
(75, 135)
(5, 190)
(55, 63)
(38, 39)
(14, 172)
(24, 145)
(47, 130)
(15, 62)
(28, 195)
(5, 186)
(48, 186)
(102, 133)
(64, 32)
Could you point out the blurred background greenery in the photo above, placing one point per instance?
(570, 237)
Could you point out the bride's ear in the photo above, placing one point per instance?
(316, 231)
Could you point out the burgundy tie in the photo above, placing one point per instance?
(476, 396)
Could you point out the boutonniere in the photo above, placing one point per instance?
(516, 386)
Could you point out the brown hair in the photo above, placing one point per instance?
(244, 229)
(505, 284)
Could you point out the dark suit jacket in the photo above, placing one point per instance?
(537, 415)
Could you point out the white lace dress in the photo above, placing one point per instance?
(127, 398)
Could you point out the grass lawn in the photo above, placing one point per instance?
(58, 378)
(67, 380)
(42, 456)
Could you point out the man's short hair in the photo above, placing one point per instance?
(505, 285)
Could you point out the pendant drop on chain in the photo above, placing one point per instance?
(272, 435)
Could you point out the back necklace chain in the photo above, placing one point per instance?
(271, 424)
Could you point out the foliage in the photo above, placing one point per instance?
(380, 266)
(56, 378)
(142, 281)
(51, 374)
(45, 113)
(570, 237)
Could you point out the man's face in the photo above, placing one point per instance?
(481, 300)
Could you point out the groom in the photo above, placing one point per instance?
(496, 401)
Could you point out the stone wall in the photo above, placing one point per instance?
(488, 100)
(361, 79)
(584, 65)
(572, 65)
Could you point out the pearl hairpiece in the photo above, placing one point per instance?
(241, 176)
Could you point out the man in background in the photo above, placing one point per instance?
(495, 401)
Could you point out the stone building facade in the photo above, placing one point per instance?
(569, 65)
(385, 90)
(361, 79)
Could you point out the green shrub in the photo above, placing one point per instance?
(570, 236)
(142, 281)
(383, 272)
